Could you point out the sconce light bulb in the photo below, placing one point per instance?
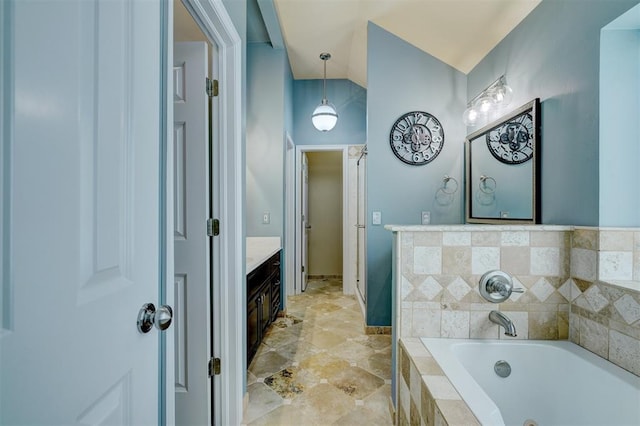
(503, 95)
(484, 104)
(470, 116)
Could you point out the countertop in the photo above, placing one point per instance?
(476, 227)
(260, 249)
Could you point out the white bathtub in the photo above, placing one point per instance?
(551, 383)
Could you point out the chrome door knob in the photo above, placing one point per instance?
(163, 317)
(148, 316)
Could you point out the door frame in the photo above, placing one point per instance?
(227, 257)
(290, 217)
(347, 284)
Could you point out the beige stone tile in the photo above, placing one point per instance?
(325, 339)
(455, 238)
(351, 351)
(312, 405)
(427, 366)
(515, 260)
(267, 363)
(455, 324)
(278, 337)
(427, 260)
(262, 399)
(440, 387)
(545, 261)
(514, 238)
(457, 413)
(425, 322)
(583, 264)
(543, 325)
(377, 363)
(624, 351)
(615, 265)
(427, 239)
(415, 386)
(484, 259)
(615, 240)
(325, 307)
(480, 327)
(355, 382)
(550, 239)
(291, 382)
(456, 260)
(594, 337)
(585, 239)
(485, 238)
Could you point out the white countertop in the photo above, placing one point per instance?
(260, 249)
(465, 227)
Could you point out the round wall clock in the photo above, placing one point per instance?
(416, 138)
(512, 141)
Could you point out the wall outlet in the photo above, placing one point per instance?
(266, 218)
(426, 218)
(376, 218)
(504, 214)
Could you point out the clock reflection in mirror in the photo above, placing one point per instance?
(504, 151)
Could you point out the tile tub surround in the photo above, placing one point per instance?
(439, 267)
(567, 272)
(425, 395)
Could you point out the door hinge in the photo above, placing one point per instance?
(214, 367)
(213, 227)
(302, 268)
(212, 87)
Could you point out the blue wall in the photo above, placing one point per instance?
(554, 54)
(350, 101)
(401, 79)
(620, 126)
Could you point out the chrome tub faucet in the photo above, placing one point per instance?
(504, 321)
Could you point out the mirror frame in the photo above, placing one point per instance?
(534, 107)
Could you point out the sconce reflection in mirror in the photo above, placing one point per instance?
(506, 150)
(444, 194)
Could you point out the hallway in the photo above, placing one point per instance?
(317, 367)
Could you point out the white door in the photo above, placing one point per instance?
(191, 244)
(80, 211)
(361, 244)
(304, 232)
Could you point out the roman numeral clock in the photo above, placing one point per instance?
(416, 138)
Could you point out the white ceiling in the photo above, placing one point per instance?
(458, 32)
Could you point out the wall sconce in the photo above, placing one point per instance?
(324, 117)
(497, 95)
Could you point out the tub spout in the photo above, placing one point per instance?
(501, 319)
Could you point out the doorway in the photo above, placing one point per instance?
(221, 307)
(348, 199)
(193, 56)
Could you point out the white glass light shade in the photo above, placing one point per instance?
(470, 116)
(503, 95)
(324, 117)
(484, 104)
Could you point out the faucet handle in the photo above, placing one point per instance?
(496, 286)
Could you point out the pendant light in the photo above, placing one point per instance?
(324, 117)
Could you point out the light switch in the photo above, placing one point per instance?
(376, 218)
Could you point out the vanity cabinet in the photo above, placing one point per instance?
(263, 301)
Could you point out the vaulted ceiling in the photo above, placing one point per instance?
(458, 32)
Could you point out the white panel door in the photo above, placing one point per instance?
(191, 210)
(81, 211)
(304, 232)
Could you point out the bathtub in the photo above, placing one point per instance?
(551, 383)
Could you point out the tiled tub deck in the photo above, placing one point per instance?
(581, 284)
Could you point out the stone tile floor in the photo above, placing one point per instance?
(316, 366)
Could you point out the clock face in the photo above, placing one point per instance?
(512, 142)
(416, 138)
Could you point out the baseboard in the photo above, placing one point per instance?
(377, 329)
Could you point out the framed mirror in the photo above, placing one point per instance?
(502, 169)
